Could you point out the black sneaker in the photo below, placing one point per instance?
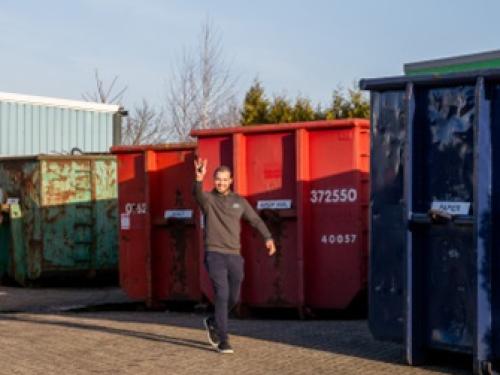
(213, 337)
(225, 348)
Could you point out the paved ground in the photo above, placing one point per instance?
(39, 336)
(174, 343)
(14, 299)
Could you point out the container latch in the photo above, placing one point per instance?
(439, 216)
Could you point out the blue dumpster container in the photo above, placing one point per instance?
(435, 204)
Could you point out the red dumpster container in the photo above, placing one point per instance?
(159, 242)
(309, 181)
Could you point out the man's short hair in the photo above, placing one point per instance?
(223, 168)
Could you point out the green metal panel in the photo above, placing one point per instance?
(457, 68)
(106, 213)
(19, 179)
(19, 254)
(67, 209)
(66, 224)
(4, 245)
(478, 61)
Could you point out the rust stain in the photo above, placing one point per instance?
(57, 165)
(178, 234)
(177, 231)
(62, 178)
(275, 224)
(111, 210)
(35, 258)
(58, 197)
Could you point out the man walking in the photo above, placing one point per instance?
(223, 212)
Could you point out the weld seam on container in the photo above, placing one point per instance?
(302, 172)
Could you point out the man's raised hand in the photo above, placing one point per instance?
(200, 166)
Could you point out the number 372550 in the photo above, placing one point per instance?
(341, 195)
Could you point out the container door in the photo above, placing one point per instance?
(134, 231)
(442, 216)
(105, 203)
(219, 151)
(68, 214)
(4, 241)
(335, 252)
(174, 246)
(271, 188)
(388, 227)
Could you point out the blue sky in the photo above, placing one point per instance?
(51, 47)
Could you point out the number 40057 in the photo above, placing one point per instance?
(338, 238)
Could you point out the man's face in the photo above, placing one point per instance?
(222, 182)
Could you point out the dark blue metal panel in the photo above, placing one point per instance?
(387, 242)
(494, 94)
(451, 293)
(413, 332)
(400, 82)
(443, 172)
(482, 231)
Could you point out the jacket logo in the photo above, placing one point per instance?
(236, 205)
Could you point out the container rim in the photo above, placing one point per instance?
(272, 128)
(453, 60)
(104, 156)
(399, 82)
(123, 149)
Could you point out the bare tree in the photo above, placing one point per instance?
(201, 93)
(145, 126)
(232, 114)
(182, 98)
(104, 94)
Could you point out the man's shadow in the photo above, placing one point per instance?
(201, 345)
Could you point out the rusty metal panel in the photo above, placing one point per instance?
(19, 179)
(65, 223)
(171, 191)
(67, 212)
(106, 213)
(4, 236)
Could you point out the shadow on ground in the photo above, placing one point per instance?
(350, 338)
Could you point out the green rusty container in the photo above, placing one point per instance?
(4, 243)
(63, 218)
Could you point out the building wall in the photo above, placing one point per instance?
(30, 125)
